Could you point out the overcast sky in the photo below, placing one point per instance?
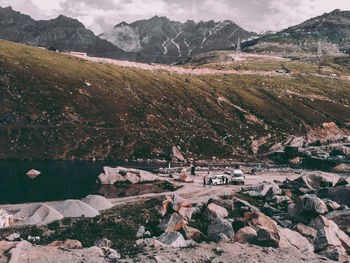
(255, 15)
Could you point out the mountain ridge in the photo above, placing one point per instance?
(62, 33)
(160, 39)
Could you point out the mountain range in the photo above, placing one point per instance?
(62, 33)
(157, 39)
(328, 34)
(161, 40)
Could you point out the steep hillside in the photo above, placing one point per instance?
(54, 106)
(161, 40)
(327, 34)
(62, 33)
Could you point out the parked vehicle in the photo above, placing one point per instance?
(237, 177)
(219, 179)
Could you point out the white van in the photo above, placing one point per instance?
(237, 176)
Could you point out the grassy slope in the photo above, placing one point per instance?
(133, 113)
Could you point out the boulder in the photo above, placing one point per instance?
(267, 230)
(335, 253)
(185, 178)
(313, 180)
(259, 191)
(343, 181)
(5, 219)
(222, 238)
(37, 214)
(331, 205)
(183, 207)
(329, 235)
(213, 211)
(341, 168)
(140, 232)
(172, 222)
(121, 174)
(308, 232)
(243, 206)
(104, 242)
(289, 238)
(246, 235)
(225, 203)
(273, 192)
(297, 142)
(220, 226)
(68, 244)
(310, 204)
(13, 237)
(341, 218)
(296, 161)
(179, 202)
(76, 208)
(26, 252)
(172, 239)
(339, 194)
(98, 202)
(191, 233)
(33, 173)
(176, 154)
(281, 199)
(163, 207)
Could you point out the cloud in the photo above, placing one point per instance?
(255, 15)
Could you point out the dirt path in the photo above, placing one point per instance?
(195, 192)
(201, 71)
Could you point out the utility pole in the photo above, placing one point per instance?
(238, 49)
(319, 49)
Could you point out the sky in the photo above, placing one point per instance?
(253, 15)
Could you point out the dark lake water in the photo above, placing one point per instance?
(58, 179)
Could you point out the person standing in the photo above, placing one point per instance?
(204, 181)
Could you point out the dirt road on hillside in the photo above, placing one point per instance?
(200, 71)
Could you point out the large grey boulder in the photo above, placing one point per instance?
(37, 214)
(313, 180)
(267, 230)
(246, 235)
(122, 174)
(76, 208)
(289, 239)
(260, 190)
(329, 235)
(339, 194)
(213, 211)
(104, 242)
(341, 218)
(172, 222)
(172, 239)
(308, 232)
(335, 253)
(98, 202)
(273, 192)
(310, 204)
(220, 226)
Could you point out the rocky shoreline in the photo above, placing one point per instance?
(303, 218)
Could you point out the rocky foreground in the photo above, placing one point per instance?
(303, 220)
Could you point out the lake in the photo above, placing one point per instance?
(58, 180)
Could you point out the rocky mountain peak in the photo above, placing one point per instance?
(162, 40)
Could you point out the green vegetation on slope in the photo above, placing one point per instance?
(59, 107)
